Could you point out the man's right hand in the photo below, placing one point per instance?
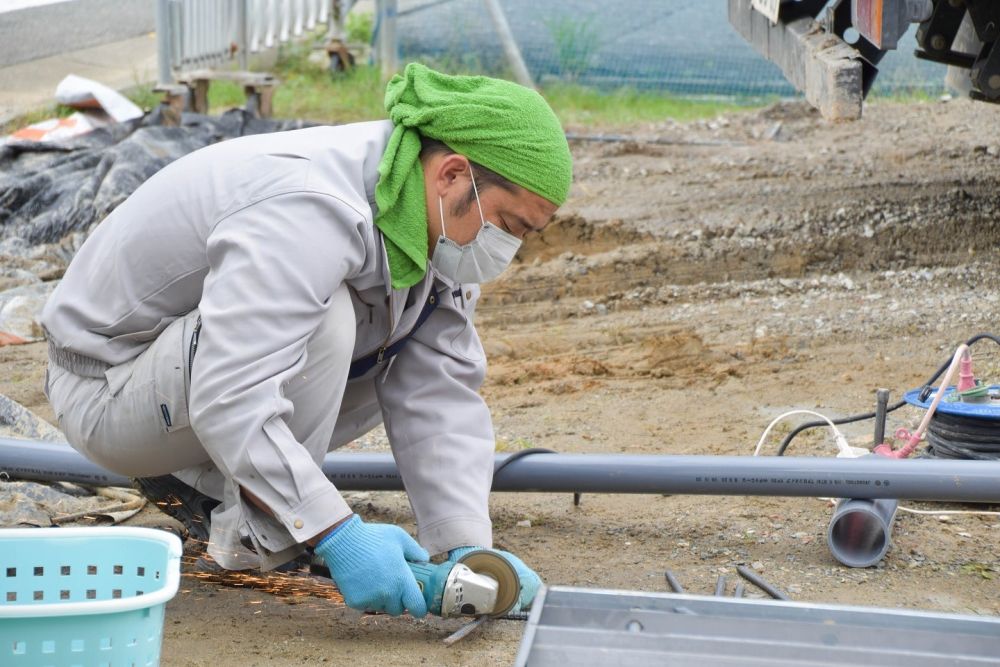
(368, 563)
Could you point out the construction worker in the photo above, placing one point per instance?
(266, 299)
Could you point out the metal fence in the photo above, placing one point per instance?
(197, 34)
(681, 46)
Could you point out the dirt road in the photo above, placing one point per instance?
(702, 279)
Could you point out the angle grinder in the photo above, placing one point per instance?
(480, 583)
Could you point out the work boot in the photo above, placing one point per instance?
(184, 503)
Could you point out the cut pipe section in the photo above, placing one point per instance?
(860, 531)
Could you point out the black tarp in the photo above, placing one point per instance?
(49, 190)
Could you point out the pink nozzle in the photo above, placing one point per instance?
(966, 380)
(885, 449)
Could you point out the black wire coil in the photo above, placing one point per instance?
(978, 439)
(955, 437)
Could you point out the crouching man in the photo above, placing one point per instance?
(264, 300)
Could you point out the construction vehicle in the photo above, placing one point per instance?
(830, 50)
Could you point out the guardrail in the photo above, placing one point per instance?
(198, 34)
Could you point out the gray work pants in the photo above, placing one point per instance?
(134, 420)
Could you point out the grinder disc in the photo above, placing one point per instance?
(498, 568)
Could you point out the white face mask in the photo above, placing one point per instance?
(480, 260)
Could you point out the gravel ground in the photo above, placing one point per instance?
(702, 278)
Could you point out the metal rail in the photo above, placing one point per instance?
(196, 34)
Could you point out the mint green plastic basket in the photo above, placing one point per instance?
(85, 597)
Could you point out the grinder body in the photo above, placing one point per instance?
(480, 583)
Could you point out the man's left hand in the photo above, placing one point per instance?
(530, 581)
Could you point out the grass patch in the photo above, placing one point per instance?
(983, 570)
(576, 40)
(579, 105)
(359, 27)
(36, 116)
(905, 96)
(141, 95)
(309, 91)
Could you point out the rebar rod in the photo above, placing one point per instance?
(760, 582)
(675, 585)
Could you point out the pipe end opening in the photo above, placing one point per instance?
(858, 538)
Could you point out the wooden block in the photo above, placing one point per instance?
(825, 68)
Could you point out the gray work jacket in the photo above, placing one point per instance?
(257, 233)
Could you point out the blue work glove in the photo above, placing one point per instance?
(368, 564)
(530, 582)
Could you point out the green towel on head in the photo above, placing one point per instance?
(499, 124)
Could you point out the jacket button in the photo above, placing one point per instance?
(468, 295)
(298, 523)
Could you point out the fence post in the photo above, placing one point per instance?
(164, 38)
(388, 49)
(510, 48)
(243, 33)
(335, 26)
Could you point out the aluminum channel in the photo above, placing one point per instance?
(601, 628)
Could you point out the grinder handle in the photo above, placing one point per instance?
(431, 579)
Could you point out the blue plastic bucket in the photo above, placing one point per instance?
(85, 597)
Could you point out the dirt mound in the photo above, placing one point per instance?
(909, 186)
(572, 235)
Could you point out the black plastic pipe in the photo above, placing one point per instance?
(881, 410)
(868, 477)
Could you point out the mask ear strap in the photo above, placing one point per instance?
(482, 218)
(441, 209)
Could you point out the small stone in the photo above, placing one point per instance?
(757, 565)
(20, 309)
(587, 305)
(525, 523)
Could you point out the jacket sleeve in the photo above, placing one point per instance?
(273, 267)
(440, 428)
